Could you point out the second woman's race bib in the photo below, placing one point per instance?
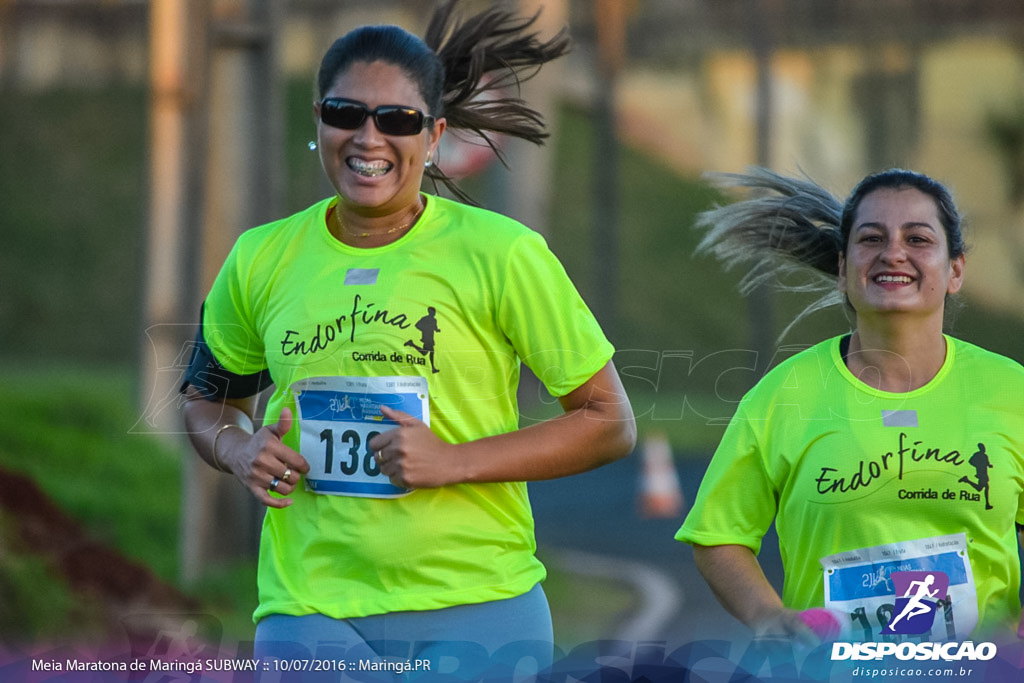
(921, 589)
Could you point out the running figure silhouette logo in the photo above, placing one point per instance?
(918, 594)
(427, 325)
(981, 464)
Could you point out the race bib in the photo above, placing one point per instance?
(920, 590)
(337, 418)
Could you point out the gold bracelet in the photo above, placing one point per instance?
(216, 460)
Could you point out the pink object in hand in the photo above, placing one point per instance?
(823, 622)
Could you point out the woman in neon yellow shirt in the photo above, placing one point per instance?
(860, 448)
(393, 324)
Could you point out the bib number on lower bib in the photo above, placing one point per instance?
(338, 416)
(921, 590)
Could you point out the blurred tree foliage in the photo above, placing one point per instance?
(73, 179)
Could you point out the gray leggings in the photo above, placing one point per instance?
(503, 640)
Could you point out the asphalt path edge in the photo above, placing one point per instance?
(658, 596)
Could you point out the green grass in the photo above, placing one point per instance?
(229, 593)
(37, 603)
(68, 428)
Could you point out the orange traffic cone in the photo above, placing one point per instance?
(660, 493)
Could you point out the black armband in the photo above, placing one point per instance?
(213, 380)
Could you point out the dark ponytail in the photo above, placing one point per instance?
(489, 54)
(786, 235)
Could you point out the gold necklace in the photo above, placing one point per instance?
(344, 228)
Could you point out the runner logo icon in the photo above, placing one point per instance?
(918, 594)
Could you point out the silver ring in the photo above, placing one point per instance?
(287, 474)
(273, 483)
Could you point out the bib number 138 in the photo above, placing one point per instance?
(338, 416)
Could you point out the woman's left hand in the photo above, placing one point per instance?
(412, 456)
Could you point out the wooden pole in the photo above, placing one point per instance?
(172, 123)
(610, 25)
(241, 171)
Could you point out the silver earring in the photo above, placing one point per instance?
(312, 146)
(428, 163)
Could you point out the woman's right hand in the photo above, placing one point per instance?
(785, 624)
(262, 462)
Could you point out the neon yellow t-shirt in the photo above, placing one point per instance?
(841, 466)
(460, 300)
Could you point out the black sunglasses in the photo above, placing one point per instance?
(391, 119)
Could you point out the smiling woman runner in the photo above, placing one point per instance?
(392, 324)
(860, 448)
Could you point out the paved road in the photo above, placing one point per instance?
(595, 516)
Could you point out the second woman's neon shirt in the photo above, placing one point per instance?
(841, 466)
